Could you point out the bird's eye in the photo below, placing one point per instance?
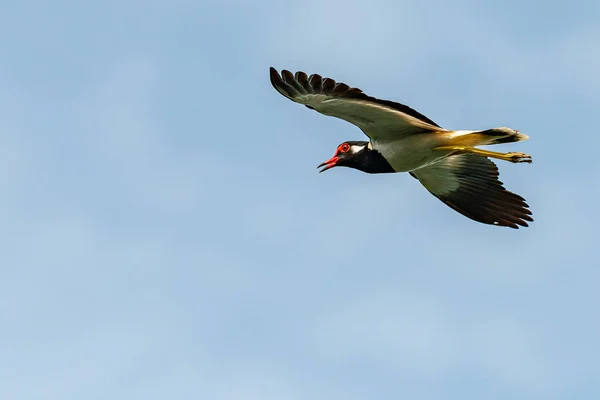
(344, 147)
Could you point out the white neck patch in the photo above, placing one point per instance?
(355, 148)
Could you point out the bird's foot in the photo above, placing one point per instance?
(513, 157)
(516, 157)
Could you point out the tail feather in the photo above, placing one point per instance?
(503, 135)
(489, 137)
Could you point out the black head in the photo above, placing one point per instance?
(358, 155)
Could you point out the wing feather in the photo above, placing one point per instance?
(381, 120)
(315, 81)
(302, 79)
(469, 184)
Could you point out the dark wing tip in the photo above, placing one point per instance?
(274, 77)
(480, 195)
(292, 85)
(505, 214)
(289, 83)
(280, 83)
(495, 205)
(287, 75)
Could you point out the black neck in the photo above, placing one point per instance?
(371, 162)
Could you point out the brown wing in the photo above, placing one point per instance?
(469, 184)
(380, 120)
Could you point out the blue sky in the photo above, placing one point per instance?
(166, 233)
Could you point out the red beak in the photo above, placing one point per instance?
(329, 163)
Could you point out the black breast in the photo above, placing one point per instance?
(372, 162)
(379, 165)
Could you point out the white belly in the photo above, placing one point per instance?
(412, 152)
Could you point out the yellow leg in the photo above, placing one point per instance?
(511, 157)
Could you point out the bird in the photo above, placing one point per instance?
(446, 162)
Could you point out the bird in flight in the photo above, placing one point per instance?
(446, 162)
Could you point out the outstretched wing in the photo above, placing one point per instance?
(469, 184)
(380, 120)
